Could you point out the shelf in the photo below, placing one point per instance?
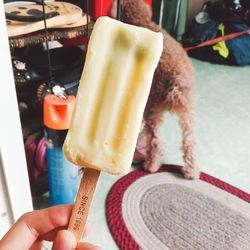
(53, 35)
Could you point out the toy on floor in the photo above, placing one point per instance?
(172, 90)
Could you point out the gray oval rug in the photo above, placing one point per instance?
(165, 211)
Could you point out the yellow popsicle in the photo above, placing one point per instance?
(114, 87)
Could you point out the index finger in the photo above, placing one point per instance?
(27, 229)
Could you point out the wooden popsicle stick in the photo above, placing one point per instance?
(83, 202)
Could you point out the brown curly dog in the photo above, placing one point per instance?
(172, 90)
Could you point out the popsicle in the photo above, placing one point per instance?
(113, 91)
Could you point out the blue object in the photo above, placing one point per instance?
(239, 46)
(62, 174)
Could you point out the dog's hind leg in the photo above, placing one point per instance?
(153, 120)
(186, 120)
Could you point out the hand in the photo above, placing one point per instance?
(46, 224)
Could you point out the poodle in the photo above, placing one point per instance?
(172, 90)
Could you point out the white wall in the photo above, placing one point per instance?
(13, 167)
(6, 217)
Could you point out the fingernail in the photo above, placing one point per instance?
(65, 240)
(92, 247)
(96, 247)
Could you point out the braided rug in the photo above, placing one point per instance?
(164, 211)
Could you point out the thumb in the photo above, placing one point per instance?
(64, 240)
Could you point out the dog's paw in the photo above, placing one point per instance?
(151, 166)
(191, 173)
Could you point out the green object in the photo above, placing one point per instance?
(156, 8)
(171, 15)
